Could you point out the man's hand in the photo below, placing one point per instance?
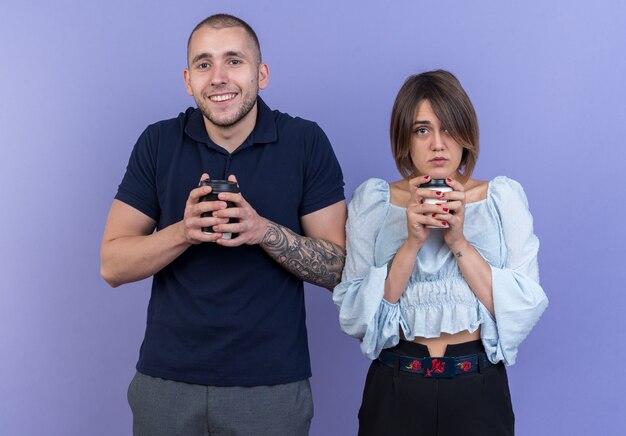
(250, 226)
(193, 222)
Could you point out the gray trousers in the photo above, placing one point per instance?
(169, 408)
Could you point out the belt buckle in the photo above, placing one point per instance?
(439, 367)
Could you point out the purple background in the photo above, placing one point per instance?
(79, 81)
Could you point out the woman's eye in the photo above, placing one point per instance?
(421, 131)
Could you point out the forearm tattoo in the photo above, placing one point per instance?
(313, 260)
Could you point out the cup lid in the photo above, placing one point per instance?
(435, 183)
(221, 185)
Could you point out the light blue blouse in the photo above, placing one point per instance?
(437, 298)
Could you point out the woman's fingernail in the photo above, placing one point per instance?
(426, 177)
(445, 209)
(437, 192)
(443, 223)
(434, 215)
(449, 179)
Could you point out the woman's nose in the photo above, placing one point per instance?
(438, 142)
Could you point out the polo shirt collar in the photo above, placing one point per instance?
(264, 130)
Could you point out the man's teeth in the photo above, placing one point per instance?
(222, 97)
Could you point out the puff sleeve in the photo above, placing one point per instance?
(363, 312)
(518, 298)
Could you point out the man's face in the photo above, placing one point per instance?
(224, 74)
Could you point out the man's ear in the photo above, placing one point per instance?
(186, 74)
(264, 76)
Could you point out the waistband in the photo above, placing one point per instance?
(435, 367)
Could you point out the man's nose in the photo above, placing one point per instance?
(219, 76)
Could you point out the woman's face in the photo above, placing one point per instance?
(433, 151)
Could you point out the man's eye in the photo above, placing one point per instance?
(203, 65)
(235, 62)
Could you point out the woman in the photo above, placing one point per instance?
(440, 295)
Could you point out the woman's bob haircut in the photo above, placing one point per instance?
(451, 105)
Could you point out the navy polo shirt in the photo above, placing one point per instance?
(229, 316)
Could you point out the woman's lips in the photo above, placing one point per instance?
(439, 161)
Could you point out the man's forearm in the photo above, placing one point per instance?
(132, 258)
(313, 260)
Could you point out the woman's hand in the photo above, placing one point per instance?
(453, 212)
(417, 219)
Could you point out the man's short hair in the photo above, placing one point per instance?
(222, 21)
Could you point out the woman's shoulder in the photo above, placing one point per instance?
(505, 186)
(370, 193)
(507, 194)
(372, 188)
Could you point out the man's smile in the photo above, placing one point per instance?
(218, 98)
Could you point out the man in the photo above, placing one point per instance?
(225, 349)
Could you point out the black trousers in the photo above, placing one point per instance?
(396, 403)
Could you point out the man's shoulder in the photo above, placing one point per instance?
(285, 122)
(301, 131)
(171, 132)
(175, 123)
(162, 137)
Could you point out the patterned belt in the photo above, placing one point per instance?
(436, 367)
